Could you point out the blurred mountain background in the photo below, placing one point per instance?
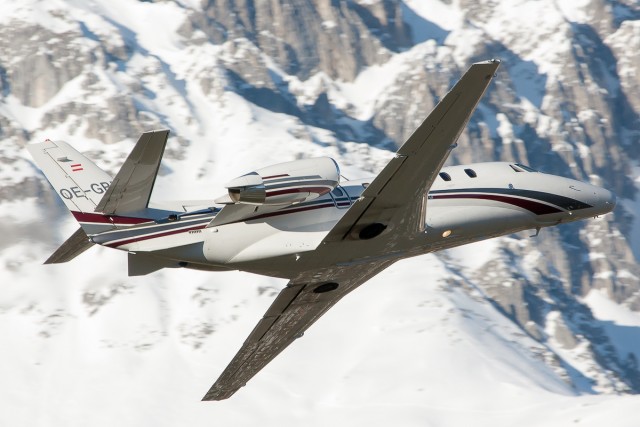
(534, 331)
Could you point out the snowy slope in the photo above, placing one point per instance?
(404, 349)
(425, 343)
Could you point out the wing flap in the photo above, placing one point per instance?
(283, 300)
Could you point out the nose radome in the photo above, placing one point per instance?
(609, 198)
(605, 199)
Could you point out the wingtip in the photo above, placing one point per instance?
(492, 61)
(167, 131)
(216, 396)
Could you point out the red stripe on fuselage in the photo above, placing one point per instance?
(318, 190)
(200, 227)
(153, 236)
(108, 219)
(530, 205)
(304, 209)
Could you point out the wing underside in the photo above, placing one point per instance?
(295, 309)
(394, 201)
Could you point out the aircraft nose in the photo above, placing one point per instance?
(609, 198)
(605, 200)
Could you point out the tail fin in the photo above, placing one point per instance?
(79, 183)
(96, 202)
(89, 193)
(77, 180)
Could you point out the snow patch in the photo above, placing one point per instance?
(474, 255)
(621, 324)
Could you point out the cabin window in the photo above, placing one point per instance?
(471, 173)
(337, 192)
(445, 176)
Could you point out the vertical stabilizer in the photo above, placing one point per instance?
(77, 180)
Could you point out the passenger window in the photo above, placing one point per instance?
(445, 176)
(337, 192)
(471, 173)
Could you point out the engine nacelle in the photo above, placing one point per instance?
(286, 183)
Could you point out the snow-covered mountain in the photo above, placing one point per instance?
(512, 331)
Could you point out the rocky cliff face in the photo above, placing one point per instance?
(351, 78)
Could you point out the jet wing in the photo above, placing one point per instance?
(394, 200)
(131, 188)
(307, 297)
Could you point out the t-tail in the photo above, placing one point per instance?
(98, 202)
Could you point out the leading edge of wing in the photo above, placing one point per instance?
(303, 301)
(405, 180)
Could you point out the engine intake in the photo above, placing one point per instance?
(285, 183)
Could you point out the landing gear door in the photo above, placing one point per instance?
(340, 197)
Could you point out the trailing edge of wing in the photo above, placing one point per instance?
(305, 299)
(394, 198)
(131, 188)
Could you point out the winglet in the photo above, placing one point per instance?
(131, 188)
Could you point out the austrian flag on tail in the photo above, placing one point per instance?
(76, 167)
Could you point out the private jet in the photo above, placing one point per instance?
(301, 221)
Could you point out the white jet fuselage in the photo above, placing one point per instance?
(479, 201)
(296, 220)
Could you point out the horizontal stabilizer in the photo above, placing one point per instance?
(131, 188)
(74, 246)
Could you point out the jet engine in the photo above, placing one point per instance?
(284, 183)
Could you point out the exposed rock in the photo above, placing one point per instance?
(566, 101)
